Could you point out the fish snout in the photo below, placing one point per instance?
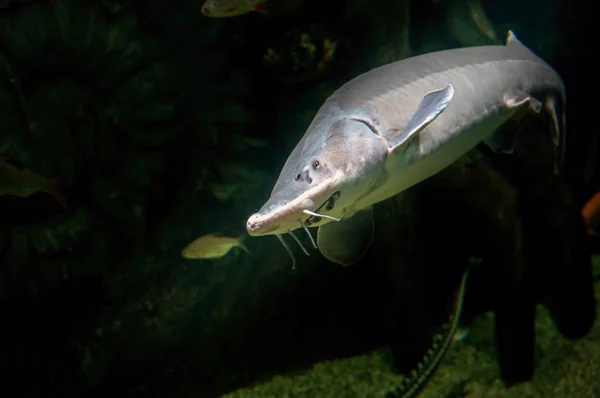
(259, 225)
(252, 225)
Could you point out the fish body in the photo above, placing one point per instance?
(413, 384)
(492, 84)
(211, 246)
(396, 125)
(591, 214)
(231, 8)
(16, 180)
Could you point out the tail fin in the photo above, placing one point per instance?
(241, 245)
(54, 190)
(244, 248)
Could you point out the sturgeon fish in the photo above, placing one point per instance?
(442, 342)
(397, 125)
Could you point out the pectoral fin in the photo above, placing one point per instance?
(521, 100)
(430, 107)
(346, 241)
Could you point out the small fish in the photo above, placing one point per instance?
(591, 214)
(212, 246)
(231, 8)
(16, 180)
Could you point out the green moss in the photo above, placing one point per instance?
(564, 369)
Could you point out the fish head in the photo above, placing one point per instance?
(210, 8)
(335, 164)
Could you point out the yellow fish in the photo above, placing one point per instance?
(16, 180)
(231, 8)
(211, 246)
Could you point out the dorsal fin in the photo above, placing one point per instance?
(513, 41)
(511, 38)
(441, 343)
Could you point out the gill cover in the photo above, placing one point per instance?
(347, 241)
(356, 155)
(359, 155)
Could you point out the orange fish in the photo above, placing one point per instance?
(16, 180)
(591, 214)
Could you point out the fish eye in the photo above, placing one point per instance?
(298, 177)
(316, 164)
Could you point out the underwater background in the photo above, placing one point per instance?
(166, 125)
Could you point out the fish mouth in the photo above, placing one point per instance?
(259, 224)
(267, 230)
(276, 218)
(296, 214)
(256, 222)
